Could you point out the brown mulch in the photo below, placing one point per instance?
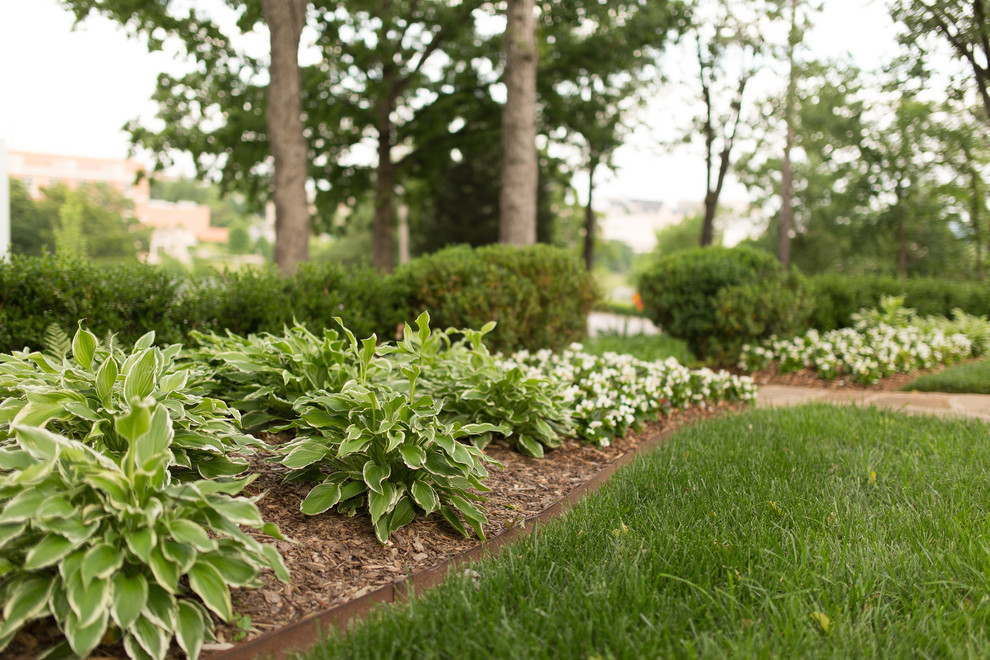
(808, 378)
(333, 559)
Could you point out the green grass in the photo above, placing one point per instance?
(732, 540)
(969, 378)
(645, 347)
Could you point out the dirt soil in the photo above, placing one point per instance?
(333, 559)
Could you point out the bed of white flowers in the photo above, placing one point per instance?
(613, 392)
(880, 344)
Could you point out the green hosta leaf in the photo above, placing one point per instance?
(320, 419)
(15, 459)
(181, 554)
(238, 510)
(229, 487)
(141, 542)
(453, 520)
(47, 551)
(25, 600)
(348, 447)
(375, 474)
(10, 531)
(134, 649)
(56, 506)
(438, 464)
(529, 447)
(140, 380)
(84, 635)
(401, 515)
(151, 447)
(106, 377)
(304, 454)
(134, 424)
(413, 456)
(145, 341)
(83, 347)
(425, 496)
(272, 530)
(275, 561)
(101, 561)
(174, 382)
(165, 571)
(236, 572)
(40, 443)
(207, 582)
(186, 531)
(474, 517)
(130, 593)
(395, 439)
(152, 638)
(39, 413)
(22, 506)
(82, 411)
(320, 499)
(160, 607)
(87, 600)
(380, 503)
(190, 629)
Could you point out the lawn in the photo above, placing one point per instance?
(809, 532)
(645, 347)
(968, 378)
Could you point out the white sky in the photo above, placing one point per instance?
(71, 91)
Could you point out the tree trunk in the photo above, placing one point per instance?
(901, 240)
(287, 142)
(589, 220)
(975, 212)
(517, 202)
(786, 204)
(384, 221)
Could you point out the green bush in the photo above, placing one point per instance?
(718, 298)
(263, 300)
(539, 296)
(838, 297)
(36, 292)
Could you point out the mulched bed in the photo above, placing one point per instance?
(808, 378)
(334, 559)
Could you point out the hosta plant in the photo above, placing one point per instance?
(262, 375)
(385, 450)
(81, 395)
(112, 548)
(529, 410)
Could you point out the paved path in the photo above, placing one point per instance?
(602, 322)
(918, 403)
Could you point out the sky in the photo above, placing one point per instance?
(70, 91)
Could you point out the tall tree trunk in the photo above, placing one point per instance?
(976, 216)
(285, 19)
(383, 224)
(589, 219)
(517, 202)
(786, 204)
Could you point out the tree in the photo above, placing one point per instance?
(31, 229)
(961, 23)
(517, 201)
(728, 35)
(220, 68)
(285, 20)
(598, 65)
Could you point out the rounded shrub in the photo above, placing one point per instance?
(717, 299)
(539, 295)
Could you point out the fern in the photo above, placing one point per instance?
(56, 343)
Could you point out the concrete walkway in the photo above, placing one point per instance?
(915, 403)
(606, 322)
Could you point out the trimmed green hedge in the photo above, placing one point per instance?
(539, 295)
(838, 297)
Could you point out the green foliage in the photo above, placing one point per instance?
(127, 299)
(968, 378)
(31, 227)
(98, 393)
(650, 348)
(529, 411)
(105, 543)
(718, 298)
(539, 296)
(386, 445)
(683, 236)
(263, 300)
(837, 297)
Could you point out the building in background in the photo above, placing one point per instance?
(178, 226)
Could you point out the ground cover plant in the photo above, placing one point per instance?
(810, 532)
(969, 378)
(892, 339)
(612, 392)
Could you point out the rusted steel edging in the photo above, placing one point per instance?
(305, 633)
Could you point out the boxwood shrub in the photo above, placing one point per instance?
(539, 295)
(718, 298)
